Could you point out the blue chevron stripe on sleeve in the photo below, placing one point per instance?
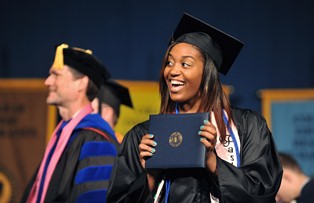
(95, 148)
(93, 173)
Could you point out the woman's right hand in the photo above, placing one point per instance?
(147, 148)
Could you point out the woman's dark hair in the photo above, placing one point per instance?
(213, 97)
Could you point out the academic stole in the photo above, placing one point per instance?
(228, 149)
(63, 140)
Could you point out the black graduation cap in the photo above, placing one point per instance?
(114, 94)
(221, 47)
(83, 61)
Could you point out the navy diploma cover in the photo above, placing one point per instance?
(178, 142)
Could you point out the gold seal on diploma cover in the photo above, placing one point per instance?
(175, 139)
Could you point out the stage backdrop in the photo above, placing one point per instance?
(27, 122)
(24, 127)
(290, 115)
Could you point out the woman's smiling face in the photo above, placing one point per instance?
(183, 73)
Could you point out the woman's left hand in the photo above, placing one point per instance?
(208, 136)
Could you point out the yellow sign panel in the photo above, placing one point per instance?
(146, 100)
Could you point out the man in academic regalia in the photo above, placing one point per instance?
(78, 160)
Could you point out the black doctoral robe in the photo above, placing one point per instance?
(63, 186)
(256, 180)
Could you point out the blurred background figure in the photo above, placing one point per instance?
(107, 103)
(296, 186)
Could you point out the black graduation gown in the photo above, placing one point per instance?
(62, 187)
(256, 180)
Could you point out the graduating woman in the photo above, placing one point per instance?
(241, 159)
